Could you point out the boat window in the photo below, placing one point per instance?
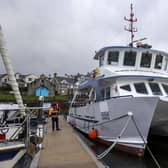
(126, 87)
(81, 99)
(130, 58)
(113, 57)
(146, 60)
(101, 60)
(165, 66)
(103, 93)
(165, 87)
(107, 92)
(158, 61)
(155, 88)
(140, 88)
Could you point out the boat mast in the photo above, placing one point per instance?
(131, 27)
(10, 72)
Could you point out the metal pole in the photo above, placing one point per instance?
(10, 72)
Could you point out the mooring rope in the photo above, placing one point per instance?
(130, 115)
(147, 147)
(103, 154)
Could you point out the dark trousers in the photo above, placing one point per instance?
(55, 121)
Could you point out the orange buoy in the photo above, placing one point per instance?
(92, 134)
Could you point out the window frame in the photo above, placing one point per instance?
(113, 62)
(156, 66)
(101, 60)
(132, 56)
(146, 92)
(143, 57)
(165, 85)
(154, 92)
(128, 90)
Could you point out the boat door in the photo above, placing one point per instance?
(114, 90)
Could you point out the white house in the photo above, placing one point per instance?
(22, 80)
(29, 78)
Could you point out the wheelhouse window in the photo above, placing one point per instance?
(113, 58)
(108, 93)
(129, 58)
(101, 60)
(126, 87)
(158, 61)
(166, 63)
(140, 88)
(146, 60)
(165, 87)
(81, 98)
(105, 93)
(155, 88)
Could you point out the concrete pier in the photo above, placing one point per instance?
(63, 149)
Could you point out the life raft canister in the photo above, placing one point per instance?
(92, 134)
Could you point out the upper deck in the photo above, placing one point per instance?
(124, 58)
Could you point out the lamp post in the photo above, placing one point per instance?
(40, 102)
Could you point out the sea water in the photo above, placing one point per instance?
(118, 159)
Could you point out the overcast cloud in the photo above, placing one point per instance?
(47, 36)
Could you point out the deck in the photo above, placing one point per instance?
(64, 149)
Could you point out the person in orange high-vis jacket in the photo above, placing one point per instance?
(54, 114)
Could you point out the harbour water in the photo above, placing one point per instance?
(118, 159)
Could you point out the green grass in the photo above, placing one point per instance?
(26, 99)
(33, 100)
(7, 98)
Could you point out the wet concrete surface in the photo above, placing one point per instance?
(118, 159)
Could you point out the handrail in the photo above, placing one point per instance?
(113, 97)
(1, 128)
(26, 119)
(84, 103)
(26, 108)
(21, 126)
(108, 121)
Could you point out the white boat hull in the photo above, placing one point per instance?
(145, 112)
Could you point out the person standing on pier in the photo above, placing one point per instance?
(54, 114)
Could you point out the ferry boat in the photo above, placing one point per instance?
(127, 96)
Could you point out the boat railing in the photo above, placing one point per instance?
(21, 130)
(85, 102)
(113, 97)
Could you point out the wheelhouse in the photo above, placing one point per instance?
(127, 71)
(133, 58)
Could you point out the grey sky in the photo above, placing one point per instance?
(47, 36)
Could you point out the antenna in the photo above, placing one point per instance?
(131, 28)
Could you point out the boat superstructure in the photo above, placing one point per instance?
(125, 98)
